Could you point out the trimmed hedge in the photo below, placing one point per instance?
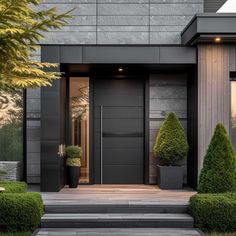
(16, 234)
(73, 152)
(171, 142)
(218, 174)
(20, 211)
(14, 186)
(214, 212)
(73, 162)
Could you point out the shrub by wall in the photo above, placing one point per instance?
(20, 211)
(214, 212)
(13, 186)
(218, 174)
(171, 142)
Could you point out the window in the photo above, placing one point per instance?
(233, 112)
(11, 129)
(79, 107)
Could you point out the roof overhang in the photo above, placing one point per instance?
(209, 26)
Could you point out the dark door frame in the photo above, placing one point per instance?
(83, 55)
(91, 122)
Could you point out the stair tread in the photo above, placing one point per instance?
(118, 216)
(79, 203)
(120, 232)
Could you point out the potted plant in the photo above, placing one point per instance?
(73, 163)
(170, 147)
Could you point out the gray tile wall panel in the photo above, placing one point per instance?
(164, 20)
(168, 92)
(33, 135)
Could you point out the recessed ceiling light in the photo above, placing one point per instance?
(217, 40)
(120, 69)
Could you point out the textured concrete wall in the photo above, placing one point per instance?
(168, 93)
(123, 21)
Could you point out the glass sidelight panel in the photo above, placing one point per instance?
(79, 107)
(233, 113)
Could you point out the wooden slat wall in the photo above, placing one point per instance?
(214, 65)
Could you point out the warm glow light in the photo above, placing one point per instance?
(120, 69)
(217, 40)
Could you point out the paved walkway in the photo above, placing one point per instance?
(97, 194)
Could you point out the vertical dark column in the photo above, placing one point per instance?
(192, 114)
(146, 130)
(52, 126)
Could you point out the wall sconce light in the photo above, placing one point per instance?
(61, 150)
(120, 69)
(218, 40)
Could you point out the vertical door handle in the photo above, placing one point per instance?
(101, 142)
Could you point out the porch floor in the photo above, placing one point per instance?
(119, 194)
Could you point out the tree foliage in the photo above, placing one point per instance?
(22, 25)
(218, 174)
(171, 142)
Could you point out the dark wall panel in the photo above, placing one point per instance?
(52, 127)
(192, 114)
(213, 5)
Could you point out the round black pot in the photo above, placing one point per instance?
(73, 176)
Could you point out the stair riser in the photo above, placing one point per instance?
(114, 209)
(119, 224)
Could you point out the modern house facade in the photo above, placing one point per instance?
(126, 64)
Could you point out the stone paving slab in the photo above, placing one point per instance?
(118, 194)
(118, 232)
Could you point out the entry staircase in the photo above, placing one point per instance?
(73, 218)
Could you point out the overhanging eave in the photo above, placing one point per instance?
(207, 27)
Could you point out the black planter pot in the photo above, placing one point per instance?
(73, 173)
(170, 177)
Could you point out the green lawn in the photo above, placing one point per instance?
(221, 234)
(16, 234)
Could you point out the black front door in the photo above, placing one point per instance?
(118, 130)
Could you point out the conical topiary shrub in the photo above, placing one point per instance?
(218, 174)
(171, 142)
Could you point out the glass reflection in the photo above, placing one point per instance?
(233, 113)
(79, 104)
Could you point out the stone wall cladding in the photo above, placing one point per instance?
(12, 168)
(168, 93)
(122, 21)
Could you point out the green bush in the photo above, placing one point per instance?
(13, 186)
(73, 162)
(73, 152)
(218, 174)
(16, 234)
(214, 212)
(171, 142)
(20, 211)
(11, 142)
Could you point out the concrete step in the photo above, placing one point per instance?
(76, 207)
(118, 232)
(130, 220)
